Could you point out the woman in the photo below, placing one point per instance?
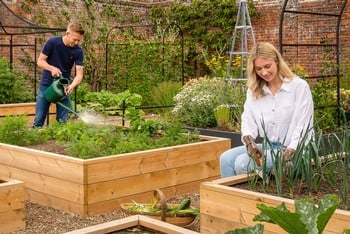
(278, 107)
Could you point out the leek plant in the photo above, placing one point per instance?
(323, 159)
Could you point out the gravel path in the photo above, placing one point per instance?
(47, 220)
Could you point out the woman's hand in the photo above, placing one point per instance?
(253, 150)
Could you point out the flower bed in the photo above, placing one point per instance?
(231, 208)
(98, 185)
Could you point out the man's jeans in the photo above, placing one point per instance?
(42, 108)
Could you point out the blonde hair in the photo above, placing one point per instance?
(76, 27)
(268, 51)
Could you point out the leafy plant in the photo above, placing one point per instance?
(197, 100)
(141, 62)
(14, 130)
(307, 218)
(13, 88)
(257, 229)
(110, 103)
(163, 95)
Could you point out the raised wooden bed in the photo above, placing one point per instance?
(12, 206)
(99, 185)
(27, 109)
(230, 208)
(134, 221)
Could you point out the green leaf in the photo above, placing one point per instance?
(281, 216)
(257, 229)
(307, 218)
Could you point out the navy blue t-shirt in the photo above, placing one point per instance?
(60, 56)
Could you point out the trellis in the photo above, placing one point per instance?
(122, 37)
(19, 41)
(310, 36)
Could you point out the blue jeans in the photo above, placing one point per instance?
(236, 161)
(42, 108)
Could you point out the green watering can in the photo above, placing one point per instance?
(55, 93)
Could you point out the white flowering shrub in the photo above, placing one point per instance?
(198, 98)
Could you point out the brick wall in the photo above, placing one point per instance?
(297, 29)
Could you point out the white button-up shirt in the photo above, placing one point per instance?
(285, 117)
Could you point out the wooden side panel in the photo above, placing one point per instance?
(12, 220)
(24, 109)
(148, 182)
(12, 206)
(149, 161)
(145, 197)
(231, 208)
(11, 194)
(43, 163)
(56, 202)
(50, 186)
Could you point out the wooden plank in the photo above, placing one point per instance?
(228, 208)
(132, 221)
(12, 220)
(219, 203)
(163, 226)
(36, 161)
(153, 160)
(24, 109)
(148, 182)
(55, 202)
(144, 197)
(108, 227)
(11, 195)
(213, 225)
(49, 185)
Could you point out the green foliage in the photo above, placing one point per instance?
(107, 102)
(141, 62)
(13, 88)
(325, 104)
(197, 100)
(163, 94)
(320, 161)
(89, 141)
(14, 130)
(257, 229)
(307, 218)
(205, 24)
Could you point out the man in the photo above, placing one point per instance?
(57, 58)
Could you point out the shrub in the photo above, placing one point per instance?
(164, 93)
(13, 88)
(197, 100)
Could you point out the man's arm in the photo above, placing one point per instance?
(42, 63)
(77, 79)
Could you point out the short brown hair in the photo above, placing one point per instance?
(76, 27)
